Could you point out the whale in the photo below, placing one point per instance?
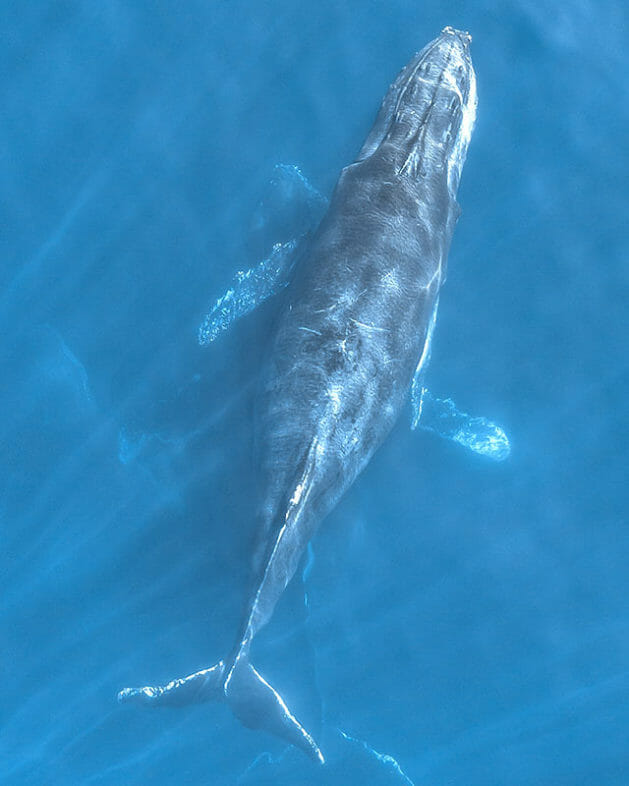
(351, 340)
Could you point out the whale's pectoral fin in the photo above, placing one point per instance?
(250, 697)
(257, 705)
(282, 220)
(249, 290)
(290, 207)
(444, 418)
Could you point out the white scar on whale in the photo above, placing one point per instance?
(254, 286)
(357, 302)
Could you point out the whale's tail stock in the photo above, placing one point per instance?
(255, 703)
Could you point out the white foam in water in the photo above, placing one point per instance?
(384, 758)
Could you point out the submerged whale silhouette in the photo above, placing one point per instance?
(352, 339)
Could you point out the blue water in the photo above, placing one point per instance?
(456, 621)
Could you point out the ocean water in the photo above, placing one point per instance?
(456, 621)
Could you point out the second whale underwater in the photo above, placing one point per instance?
(351, 341)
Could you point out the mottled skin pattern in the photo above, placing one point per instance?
(354, 327)
(356, 315)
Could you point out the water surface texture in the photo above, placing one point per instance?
(456, 621)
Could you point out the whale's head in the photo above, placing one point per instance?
(435, 107)
(456, 91)
(428, 113)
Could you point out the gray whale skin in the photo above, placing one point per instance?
(354, 329)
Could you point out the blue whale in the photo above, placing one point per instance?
(352, 338)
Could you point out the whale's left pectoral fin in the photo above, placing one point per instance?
(289, 212)
(249, 289)
(443, 417)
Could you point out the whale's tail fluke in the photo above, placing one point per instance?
(258, 705)
(250, 697)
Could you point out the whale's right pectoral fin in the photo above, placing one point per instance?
(291, 209)
(442, 416)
